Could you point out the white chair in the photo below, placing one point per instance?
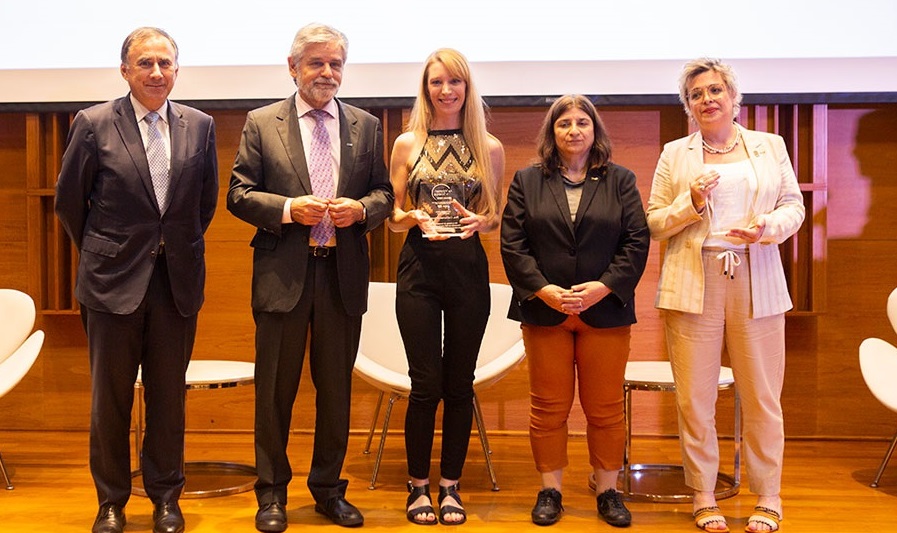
(878, 363)
(19, 347)
(892, 309)
(381, 359)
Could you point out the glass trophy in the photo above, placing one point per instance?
(437, 202)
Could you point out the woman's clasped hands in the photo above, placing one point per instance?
(574, 300)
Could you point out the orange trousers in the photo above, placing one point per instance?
(560, 358)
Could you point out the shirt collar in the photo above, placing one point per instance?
(140, 111)
(302, 107)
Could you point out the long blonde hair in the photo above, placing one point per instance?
(473, 122)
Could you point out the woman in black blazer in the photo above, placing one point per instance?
(574, 243)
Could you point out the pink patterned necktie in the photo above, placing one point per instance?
(320, 170)
(157, 159)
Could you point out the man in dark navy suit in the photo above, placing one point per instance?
(136, 192)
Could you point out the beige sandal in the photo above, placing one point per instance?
(707, 517)
(764, 515)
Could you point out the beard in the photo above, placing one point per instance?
(320, 91)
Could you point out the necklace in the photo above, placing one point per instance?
(572, 184)
(566, 174)
(725, 149)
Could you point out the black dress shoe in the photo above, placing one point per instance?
(167, 518)
(340, 512)
(548, 507)
(271, 517)
(612, 510)
(110, 519)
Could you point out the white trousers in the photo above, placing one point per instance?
(756, 350)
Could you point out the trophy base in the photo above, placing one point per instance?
(431, 235)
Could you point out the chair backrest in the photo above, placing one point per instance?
(878, 363)
(14, 367)
(892, 309)
(16, 320)
(381, 355)
(502, 347)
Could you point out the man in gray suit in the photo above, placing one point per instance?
(136, 192)
(309, 174)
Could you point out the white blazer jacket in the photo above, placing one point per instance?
(672, 217)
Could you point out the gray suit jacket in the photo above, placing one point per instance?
(106, 203)
(270, 167)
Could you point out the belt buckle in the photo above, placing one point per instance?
(319, 251)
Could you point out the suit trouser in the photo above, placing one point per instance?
(441, 283)
(756, 348)
(280, 351)
(159, 339)
(559, 357)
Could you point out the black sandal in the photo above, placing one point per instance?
(450, 491)
(414, 494)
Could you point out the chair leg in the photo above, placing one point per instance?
(392, 400)
(627, 443)
(5, 475)
(884, 462)
(484, 440)
(367, 447)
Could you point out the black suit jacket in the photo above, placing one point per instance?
(270, 167)
(107, 205)
(540, 245)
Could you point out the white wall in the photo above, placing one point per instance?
(60, 50)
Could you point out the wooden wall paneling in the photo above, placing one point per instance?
(846, 157)
(804, 129)
(816, 218)
(516, 128)
(225, 328)
(13, 234)
(386, 244)
(50, 253)
(62, 258)
(36, 153)
(638, 134)
(862, 246)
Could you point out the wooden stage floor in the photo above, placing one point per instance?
(825, 488)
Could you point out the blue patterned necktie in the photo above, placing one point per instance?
(157, 159)
(320, 171)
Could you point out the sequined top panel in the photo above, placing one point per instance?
(444, 159)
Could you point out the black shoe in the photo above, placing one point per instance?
(340, 512)
(548, 507)
(271, 517)
(612, 510)
(427, 509)
(110, 519)
(167, 518)
(444, 510)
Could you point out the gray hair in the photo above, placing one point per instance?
(696, 67)
(317, 33)
(141, 34)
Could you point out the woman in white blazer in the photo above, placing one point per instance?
(722, 199)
